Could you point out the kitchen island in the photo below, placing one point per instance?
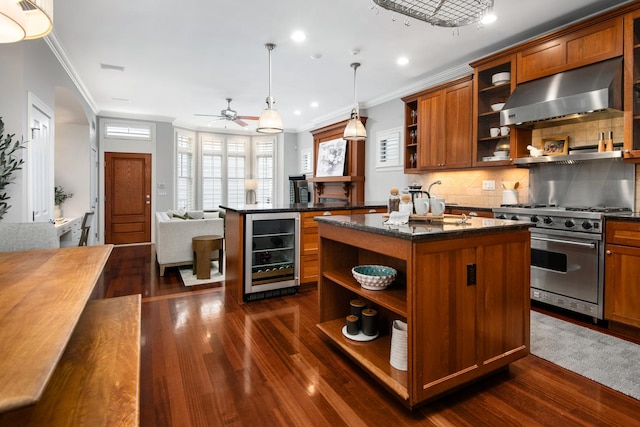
(306, 259)
(462, 288)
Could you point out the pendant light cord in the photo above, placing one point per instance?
(355, 66)
(270, 47)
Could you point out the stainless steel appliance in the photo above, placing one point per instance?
(272, 251)
(567, 254)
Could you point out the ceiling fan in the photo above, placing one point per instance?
(231, 115)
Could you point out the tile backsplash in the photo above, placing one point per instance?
(465, 187)
(581, 134)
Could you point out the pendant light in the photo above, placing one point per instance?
(270, 121)
(25, 19)
(355, 130)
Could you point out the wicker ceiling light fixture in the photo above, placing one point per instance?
(442, 13)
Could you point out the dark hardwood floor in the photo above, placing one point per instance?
(207, 361)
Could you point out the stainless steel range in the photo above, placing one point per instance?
(567, 207)
(567, 254)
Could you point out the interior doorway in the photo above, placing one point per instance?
(127, 203)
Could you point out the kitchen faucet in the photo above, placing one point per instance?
(431, 185)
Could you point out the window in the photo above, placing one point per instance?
(237, 160)
(185, 188)
(264, 169)
(121, 130)
(388, 149)
(224, 162)
(212, 153)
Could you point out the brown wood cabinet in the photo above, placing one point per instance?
(622, 269)
(486, 94)
(465, 318)
(631, 148)
(438, 127)
(576, 49)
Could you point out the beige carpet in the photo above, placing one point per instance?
(189, 279)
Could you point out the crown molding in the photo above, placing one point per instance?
(57, 49)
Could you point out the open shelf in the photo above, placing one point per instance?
(393, 298)
(372, 355)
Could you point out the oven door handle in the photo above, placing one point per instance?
(565, 242)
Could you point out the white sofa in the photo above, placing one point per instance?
(173, 236)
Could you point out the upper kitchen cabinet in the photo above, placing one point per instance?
(438, 127)
(631, 148)
(495, 80)
(580, 46)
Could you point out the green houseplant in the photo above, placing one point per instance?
(59, 197)
(9, 163)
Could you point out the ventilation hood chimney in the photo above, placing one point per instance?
(582, 94)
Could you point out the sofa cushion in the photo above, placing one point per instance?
(195, 215)
(209, 215)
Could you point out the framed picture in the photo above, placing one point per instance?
(556, 146)
(331, 156)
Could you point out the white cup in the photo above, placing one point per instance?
(504, 130)
(494, 132)
(421, 205)
(437, 206)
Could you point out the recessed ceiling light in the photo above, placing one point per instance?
(298, 36)
(403, 60)
(314, 104)
(297, 112)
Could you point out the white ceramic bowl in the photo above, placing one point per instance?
(504, 154)
(500, 78)
(536, 152)
(374, 277)
(497, 107)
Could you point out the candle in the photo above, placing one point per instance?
(369, 321)
(352, 325)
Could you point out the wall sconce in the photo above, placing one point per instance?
(250, 187)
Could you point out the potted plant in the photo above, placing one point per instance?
(59, 198)
(8, 165)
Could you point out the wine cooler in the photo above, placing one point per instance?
(272, 251)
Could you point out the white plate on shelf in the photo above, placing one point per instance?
(360, 337)
(493, 159)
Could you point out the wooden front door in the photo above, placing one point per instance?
(127, 198)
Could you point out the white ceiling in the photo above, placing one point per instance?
(185, 57)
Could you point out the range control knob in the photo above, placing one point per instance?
(514, 217)
(547, 220)
(569, 223)
(587, 225)
(501, 216)
(534, 218)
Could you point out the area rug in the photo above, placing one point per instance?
(608, 360)
(190, 279)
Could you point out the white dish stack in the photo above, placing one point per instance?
(398, 358)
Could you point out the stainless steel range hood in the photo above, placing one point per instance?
(582, 94)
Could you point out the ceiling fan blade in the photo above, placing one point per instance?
(241, 123)
(249, 117)
(209, 115)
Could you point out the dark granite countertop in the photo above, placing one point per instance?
(422, 231)
(300, 207)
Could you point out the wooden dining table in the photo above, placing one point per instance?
(44, 295)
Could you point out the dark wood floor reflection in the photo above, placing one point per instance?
(207, 361)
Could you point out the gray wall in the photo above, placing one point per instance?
(29, 66)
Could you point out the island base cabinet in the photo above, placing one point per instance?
(472, 308)
(465, 301)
